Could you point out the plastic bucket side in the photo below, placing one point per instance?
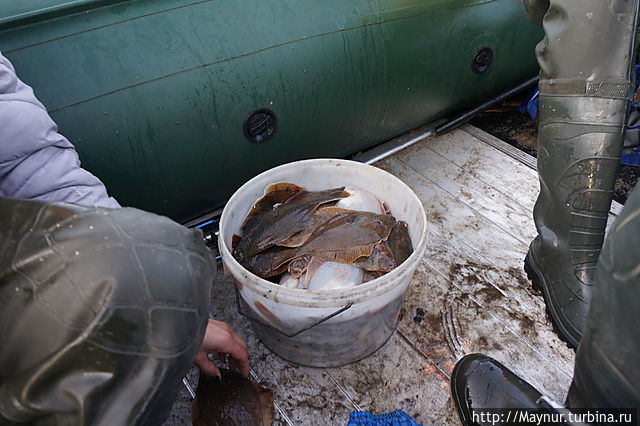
(371, 308)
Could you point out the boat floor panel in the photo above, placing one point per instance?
(471, 286)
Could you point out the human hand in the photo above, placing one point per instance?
(221, 339)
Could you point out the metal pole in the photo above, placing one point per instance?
(468, 115)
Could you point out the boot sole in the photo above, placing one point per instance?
(538, 284)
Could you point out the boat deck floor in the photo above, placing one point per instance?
(478, 193)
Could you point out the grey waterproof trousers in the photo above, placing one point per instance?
(607, 373)
(101, 313)
(585, 61)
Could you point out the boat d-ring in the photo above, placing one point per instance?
(277, 330)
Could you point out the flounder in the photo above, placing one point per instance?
(234, 401)
(284, 224)
(276, 193)
(343, 238)
(389, 254)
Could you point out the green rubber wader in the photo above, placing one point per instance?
(607, 373)
(101, 313)
(585, 61)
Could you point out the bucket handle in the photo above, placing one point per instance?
(277, 330)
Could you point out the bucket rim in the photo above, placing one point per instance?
(321, 299)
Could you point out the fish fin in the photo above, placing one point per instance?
(295, 240)
(283, 186)
(268, 263)
(276, 193)
(235, 240)
(400, 243)
(331, 211)
(381, 259)
(348, 255)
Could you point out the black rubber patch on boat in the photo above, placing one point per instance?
(482, 60)
(260, 125)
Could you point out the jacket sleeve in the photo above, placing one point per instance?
(37, 162)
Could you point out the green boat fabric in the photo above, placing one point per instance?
(23, 12)
(154, 93)
(37, 162)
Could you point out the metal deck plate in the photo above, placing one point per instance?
(471, 285)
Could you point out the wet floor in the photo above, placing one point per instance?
(469, 294)
(517, 129)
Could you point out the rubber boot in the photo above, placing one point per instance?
(585, 60)
(480, 383)
(606, 372)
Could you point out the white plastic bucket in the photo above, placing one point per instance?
(366, 314)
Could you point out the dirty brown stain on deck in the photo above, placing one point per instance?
(520, 277)
(474, 275)
(435, 216)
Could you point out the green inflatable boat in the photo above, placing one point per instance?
(176, 103)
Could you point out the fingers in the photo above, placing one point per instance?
(205, 365)
(240, 341)
(220, 338)
(224, 326)
(238, 353)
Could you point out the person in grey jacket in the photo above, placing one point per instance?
(102, 308)
(37, 162)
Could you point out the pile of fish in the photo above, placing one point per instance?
(320, 240)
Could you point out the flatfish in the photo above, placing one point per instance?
(389, 254)
(276, 193)
(234, 401)
(343, 238)
(283, 222)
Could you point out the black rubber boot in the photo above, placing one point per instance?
(583, 104)
(479, 383)
(607, 373)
